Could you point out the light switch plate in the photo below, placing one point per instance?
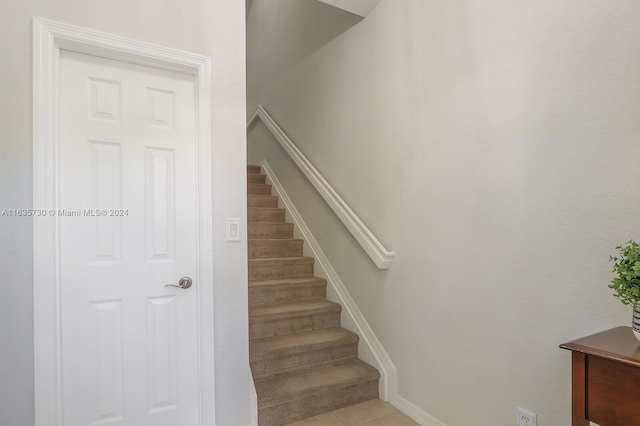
(233, 229)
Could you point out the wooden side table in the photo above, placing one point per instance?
(605, 378)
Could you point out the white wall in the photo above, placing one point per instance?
(283, 32)
(494, 146)
(215, 28)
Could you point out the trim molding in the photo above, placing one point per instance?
(371, 245)
(253, 396)
(49, 39)
(417, 414)
(369, 348)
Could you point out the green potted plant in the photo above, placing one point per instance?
(626, 283)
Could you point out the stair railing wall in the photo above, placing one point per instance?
(369, 348)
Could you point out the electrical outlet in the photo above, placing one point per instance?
(527, 418)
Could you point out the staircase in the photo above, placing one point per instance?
(303, 362)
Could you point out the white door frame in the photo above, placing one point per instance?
(49, 38)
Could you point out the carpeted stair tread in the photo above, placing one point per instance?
(289, 353)
(251, 169)
(281, 260)
(280, 267)
(256, 178)
(286, 291)
(293, 309)
(262, 200)
(265, 214)
(274, 247)
(313, 381)
(292, 318)
(270, 230)
(301, 342)
(276, 268)
(259, 189)
(289, 281)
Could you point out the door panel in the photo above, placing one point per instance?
(128, 187)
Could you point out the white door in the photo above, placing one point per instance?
(128, 227)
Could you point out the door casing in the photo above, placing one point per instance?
(49, 39)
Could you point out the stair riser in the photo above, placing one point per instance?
(264, 327)
(266, 215)
(269, 249)
(253, 170)
(255, 178)
(270, 364)
(277, 231)
(283, 294)
(317, 404)
(257, 189)
(262, 201)
(272, 272)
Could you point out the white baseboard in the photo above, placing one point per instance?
(254, 403)
(416, 413)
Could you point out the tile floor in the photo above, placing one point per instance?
(370, 413)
